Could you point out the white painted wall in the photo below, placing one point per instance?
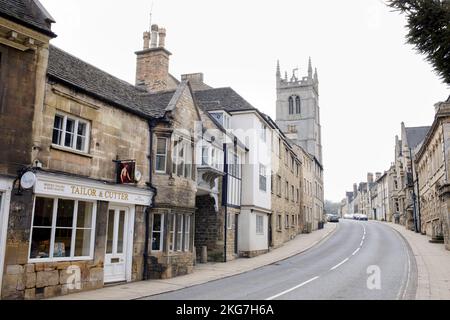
(249, 240)
(246, 128)
(5, 190)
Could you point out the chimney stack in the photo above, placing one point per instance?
(152, 68)
(146, 40)
(154, 42)
(355, 190)
(370, 177)
(378, 175)
(162, 37)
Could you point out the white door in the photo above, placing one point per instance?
(116, 245)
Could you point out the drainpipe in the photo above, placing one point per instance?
(151, 125)
(225, 200)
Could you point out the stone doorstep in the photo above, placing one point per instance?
(212, 272)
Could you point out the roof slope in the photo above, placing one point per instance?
(101, 85)
(222, 99)
(416, 135)
(29, 13)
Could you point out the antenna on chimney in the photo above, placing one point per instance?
(151, 17)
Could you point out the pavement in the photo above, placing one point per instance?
(433, 265)
(206, 273)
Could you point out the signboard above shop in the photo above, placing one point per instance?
(74, 189)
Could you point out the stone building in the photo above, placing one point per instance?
(251, 127)
(403, 175)
(306, 191)
(431, 161)
(25, 33)
(298, 116)
(287, 218)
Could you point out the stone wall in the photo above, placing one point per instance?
(17, 97)
(114, 134)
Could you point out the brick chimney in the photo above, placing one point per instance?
(355, 190)
(370, 177)
(378, 175)
(152, 68)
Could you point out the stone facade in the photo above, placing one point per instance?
(287, 219)
(432, 173)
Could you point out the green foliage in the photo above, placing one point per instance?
(429, 31)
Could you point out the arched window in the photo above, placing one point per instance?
(298, 105)
(291, 105)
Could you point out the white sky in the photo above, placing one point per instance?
(370, 80)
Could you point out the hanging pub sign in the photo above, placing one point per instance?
(126, 172)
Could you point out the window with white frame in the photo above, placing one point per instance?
(161, 155)
(259, 224)
(180, 232)
(62, 229)
(71, 132)
(171, 222)
(263, 132)
(262, 178)
(187, 230)
(234, 179)
(157, 232)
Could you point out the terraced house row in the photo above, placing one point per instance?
(102, 181)
(415, 191)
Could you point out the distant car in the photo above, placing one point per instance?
(356, 216)
(348, 216)
(363, 217)
(334, 218)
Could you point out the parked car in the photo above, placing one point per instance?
(348, 216)
(334, 218)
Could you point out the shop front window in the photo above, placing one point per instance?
(62, 229)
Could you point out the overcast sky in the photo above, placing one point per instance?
(370, 80)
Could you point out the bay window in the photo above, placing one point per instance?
(180, 222)
(182, 159)
(187, 229)
(171, 232)
(62, 229)
(71, 132)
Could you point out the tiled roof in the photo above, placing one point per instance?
(222, 99)
(101, 85)
(416, 135)
(29, 13)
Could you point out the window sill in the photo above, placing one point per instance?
(64, 149)
(57, 260)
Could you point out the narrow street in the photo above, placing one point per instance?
(339, 268)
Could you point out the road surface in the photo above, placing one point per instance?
(360, 261)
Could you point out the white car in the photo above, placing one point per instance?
(348, 216)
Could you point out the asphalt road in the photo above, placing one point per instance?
(360, 261)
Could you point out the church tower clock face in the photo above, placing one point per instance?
(298, 111)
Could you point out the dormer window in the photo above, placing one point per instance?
(223, 118)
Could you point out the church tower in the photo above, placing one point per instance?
(298, 112)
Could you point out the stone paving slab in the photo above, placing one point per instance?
(433, 265)
(204, 273)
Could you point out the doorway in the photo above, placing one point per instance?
(117, 245)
